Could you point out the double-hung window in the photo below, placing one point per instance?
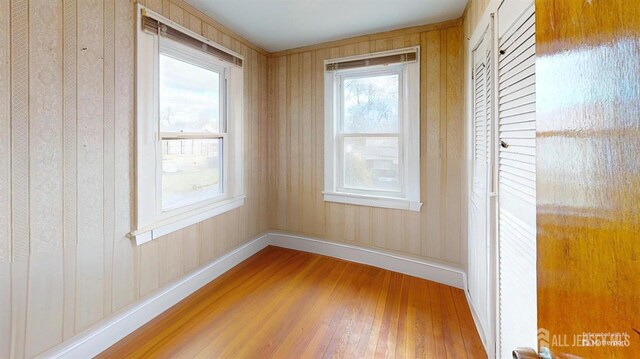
(189, 128)
(192, 92)
(372, 127)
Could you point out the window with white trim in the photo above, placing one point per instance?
(189, 128)
(372, 130)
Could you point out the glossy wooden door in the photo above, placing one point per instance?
(588, 148)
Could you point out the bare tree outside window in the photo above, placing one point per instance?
(371, 106)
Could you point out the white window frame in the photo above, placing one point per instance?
(408, 198)
(198, 58)
(151, 220)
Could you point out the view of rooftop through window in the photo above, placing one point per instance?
(371, 106)
(189, 103)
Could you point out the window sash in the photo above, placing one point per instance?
(408, 133)
(204, 202)
(340, 134)
(190, 136)
(364, 73)
(341, 169)
(193, 57)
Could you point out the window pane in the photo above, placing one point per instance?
(371, 104)
(191, 171)
(371, 163)
(189, 97)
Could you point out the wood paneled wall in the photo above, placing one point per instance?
(66, 145)
(296, 150)
(472, 14)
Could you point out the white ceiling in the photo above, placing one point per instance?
(284, 24)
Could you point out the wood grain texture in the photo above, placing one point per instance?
(20, 226)
(297, 114)
(357, 40)
(472, 14)
(287, 304)
(70, 153)
(5, 132)
(66, 103)
(5, 180)
(588, 138)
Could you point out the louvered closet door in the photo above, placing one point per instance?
(517, 177)
(478, 199)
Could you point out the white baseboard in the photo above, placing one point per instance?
(109, 331)
(394, 262)
(102, 335)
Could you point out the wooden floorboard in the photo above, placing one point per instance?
(283, 303)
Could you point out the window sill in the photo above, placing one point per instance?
(373, 201)
(166, 226)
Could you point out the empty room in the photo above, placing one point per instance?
(319, 179)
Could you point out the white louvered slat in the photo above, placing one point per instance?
(516, 54)
(518, 172)
(480, 114)
(523, 100)
(516, 77)
(523, 91)
(518, 110)
(520, 65)
(520, 86)
(519, 157)
(488, 99)
(528, 54)
(510, 37)
(478, 274)
(517, 185)
(521, 134)
(519, 180)
(517, 164)
(527, 125)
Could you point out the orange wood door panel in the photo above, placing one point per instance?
(588, 173)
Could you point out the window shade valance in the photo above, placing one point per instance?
(156, 26)
(409, 56)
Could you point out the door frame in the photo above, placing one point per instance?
(489, 336)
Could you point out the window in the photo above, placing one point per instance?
(189, 128)
(372, 143)
(191, 99)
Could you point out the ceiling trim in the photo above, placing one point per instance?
(376, 36)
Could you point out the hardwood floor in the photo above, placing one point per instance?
(282, 303)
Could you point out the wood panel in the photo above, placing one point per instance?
(297, 98)
(472, 14)
(5, 180)
(588, 138)
(66, 145)
(287, 304)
